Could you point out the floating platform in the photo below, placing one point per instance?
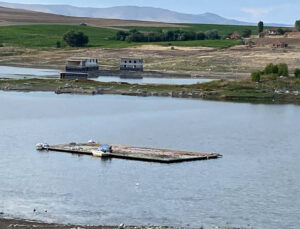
(134, 153)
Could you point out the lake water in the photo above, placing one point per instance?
(256, 183)
(149, 80)
(21, 73)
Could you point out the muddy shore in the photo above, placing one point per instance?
(25, 224)
(281, 91)
(233, 63)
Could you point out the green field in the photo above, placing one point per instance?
(46, 36)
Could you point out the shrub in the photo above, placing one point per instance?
(201, 36)
(271, 69)
(76, 39)
(272, 76)
(247, 33)
(121, 35)
(212, 34)
(297, 25)
(281, 31)
(255, 76)
(1, 45)
(283, 69)
(58, 44)
(297, 72)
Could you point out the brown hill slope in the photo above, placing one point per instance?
(10, 16)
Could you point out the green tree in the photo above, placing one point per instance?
(247, 33)
(58, 44)
(283, 69)
(271, 69)
(121, 35)
(260, 27)
(212, 34)
(201, 36)
(297, 73)
(297, 25)
(281, 31)
(255, 76)
(76, 39)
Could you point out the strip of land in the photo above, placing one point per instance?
(278, 91)
(24, 224)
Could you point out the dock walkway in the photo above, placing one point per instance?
(135, 153)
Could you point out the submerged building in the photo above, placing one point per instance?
(80, 68)
(131, 64)
(82, 64)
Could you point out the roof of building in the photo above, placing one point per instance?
(80, 58)
(131, 58)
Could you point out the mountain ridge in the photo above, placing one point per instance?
(128, 13)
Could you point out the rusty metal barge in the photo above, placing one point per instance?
(131, 153)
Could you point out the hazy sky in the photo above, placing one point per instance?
(247, 10)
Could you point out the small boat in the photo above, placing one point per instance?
(39, 146)
(42, 146)
(104, 150)
(97, 153)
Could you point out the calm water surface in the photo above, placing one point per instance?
(149, 80)
(256, 183)
(20, 73)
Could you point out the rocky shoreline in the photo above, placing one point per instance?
(282, 91)
(27, 224)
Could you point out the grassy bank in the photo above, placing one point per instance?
(46, 36)
(280, 91)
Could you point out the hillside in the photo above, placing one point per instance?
(127, 13)
(10, 16)
(46, 36)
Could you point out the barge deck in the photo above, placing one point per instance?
(135, 153)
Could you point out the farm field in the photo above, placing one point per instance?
(46, 36)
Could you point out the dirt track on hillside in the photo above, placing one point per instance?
(22, 17)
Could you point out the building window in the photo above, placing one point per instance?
(130, 61)
(135, 61)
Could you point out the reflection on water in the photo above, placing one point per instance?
(149, 80)
(20, 73)
(256, 183)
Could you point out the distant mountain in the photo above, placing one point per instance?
(128, 13)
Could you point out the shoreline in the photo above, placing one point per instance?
(280, 91)
(28, 224)
(147, 73)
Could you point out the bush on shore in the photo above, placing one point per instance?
(297, 73)
(272, 72)
(283, 69)
(255, 76)
(279, 69)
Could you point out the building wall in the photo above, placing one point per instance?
(131, 64)
(83, 65)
